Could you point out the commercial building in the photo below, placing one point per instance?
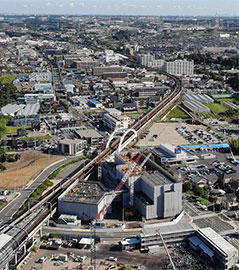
(170, 154)
(85, 64)
(43, 76)
(83, 199)
(90, 135)
(114, 121)
(95, 103)
(99, 71)
(179, 67)
(72, 147)
(11, 109)
(38, 98)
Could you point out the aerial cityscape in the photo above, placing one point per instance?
(119, 136)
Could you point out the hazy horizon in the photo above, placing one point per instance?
(121, 7)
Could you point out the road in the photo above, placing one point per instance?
(8, 212)
(113, 234)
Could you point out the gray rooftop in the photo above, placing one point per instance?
(88, 133)
(156, 179)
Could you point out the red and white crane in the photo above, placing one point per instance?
(121, 184)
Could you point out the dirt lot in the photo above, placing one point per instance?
(166, 134)
(23, 171)
(133, 259)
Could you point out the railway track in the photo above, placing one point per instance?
(30, 220)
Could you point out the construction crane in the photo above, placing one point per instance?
(120, 185)
(166, 249)
(104, 209)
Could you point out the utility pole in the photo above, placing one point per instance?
(92, 246)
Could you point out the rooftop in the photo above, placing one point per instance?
(85, 192)
(156, 179)
(88, 133)
(217, 241)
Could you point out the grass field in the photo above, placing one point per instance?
(225, 99)
(13, 130)
(39, 138)
(23, 171)
(217, 108)
(177, 113)
(8, 78)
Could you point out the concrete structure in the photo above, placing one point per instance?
(90, 135)
(179, 67)
(99, 71)
(72, 147)
(154, 194)
(43, 76)
(220, 251)
(114, 121)
(170, 154)
(177, 232)
(83, 199)
(35, 98)
(95, 103)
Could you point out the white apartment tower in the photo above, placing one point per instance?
(179, 67)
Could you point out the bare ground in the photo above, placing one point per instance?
(19, 173)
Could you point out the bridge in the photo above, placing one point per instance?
(17, 238)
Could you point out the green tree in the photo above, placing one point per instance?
(187, 186)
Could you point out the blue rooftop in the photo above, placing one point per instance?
(218, 145)
(95, 101)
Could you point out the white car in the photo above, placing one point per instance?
(112, 259)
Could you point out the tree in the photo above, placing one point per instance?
(187, 186)
(200, 192)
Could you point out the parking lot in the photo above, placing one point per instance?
(200, 136)
(216, 223)
(166, 133)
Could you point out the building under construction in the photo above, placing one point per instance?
(150, 189)
(83, 199)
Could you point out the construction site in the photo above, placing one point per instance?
(132, 181)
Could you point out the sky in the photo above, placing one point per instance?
(122, 7)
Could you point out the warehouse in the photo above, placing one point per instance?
(83, 199)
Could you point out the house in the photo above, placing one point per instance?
(230, 201)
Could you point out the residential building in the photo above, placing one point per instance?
(179, 67)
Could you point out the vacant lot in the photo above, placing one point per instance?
(177, 113)
(18, 174)
(217, 108)
(166, 134)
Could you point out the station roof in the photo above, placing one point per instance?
(217, 241)
(4, 239)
